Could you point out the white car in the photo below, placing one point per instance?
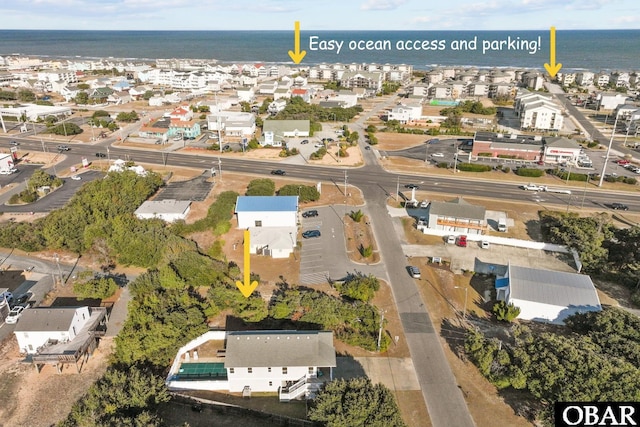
(533, 187)
(451, 239)
(437, 155)
(14, 314)
(76, 177)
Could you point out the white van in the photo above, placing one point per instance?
(502, 225)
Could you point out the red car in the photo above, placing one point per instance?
(622, 162)
(462, 241)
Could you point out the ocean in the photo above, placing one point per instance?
(594, 50)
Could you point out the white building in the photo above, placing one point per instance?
(456, 216)
(232, 123)
(38, 326)
(272, 223)
(266, 211)
(611, 101)
(561, 149)
(538, 112)
(166, 210)
(293, 364)
(547, 296)
(406, 113)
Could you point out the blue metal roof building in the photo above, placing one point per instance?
(267, 211)
(267, 204)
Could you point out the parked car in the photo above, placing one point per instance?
(304, 141)
(451, 239)
(24, 298)
(63, 148)
(414, 271)
(6, 296)
(367, 147)
(437, 155)
(101, 155)
(485, 244)
(622, 162)
(76, 177)
(319, 145)
(619, 207)
(14, 314)
(311, 233)
(462, 241)
(310, 214)
(411, 186)
(424, 204)
(278, 172)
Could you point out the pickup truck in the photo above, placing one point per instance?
(534, 187)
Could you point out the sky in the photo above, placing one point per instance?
(319, 14)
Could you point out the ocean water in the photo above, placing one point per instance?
(580, 49)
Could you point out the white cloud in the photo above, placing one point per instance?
(381, 4)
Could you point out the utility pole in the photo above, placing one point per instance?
(606, 157)
(464, 311)
(380, 330)
(57, 259)
(345, 183)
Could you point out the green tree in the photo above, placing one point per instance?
(505, 312)
(66, 129)
(127, 117)
(100, 288)
(359, 287)
(355, 403)
(82, 98)
(261, 187)
(306, 193)
(25, 95)
(120, 398)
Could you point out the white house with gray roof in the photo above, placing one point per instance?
(167, 210)
(293, 364)
(277, 360)
(456, 216)
(545, 295)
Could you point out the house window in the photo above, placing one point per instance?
(310, 370)
(258, 223)
(250, 370)
(284, 371)
(231, 370)
(270, 383)
(269, 369)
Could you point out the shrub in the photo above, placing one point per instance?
(485, 154)
(506, 169)
(530, 172)
(472, 167)
(306, 193)
(507, 156)
(366, 252)
(356, 215)
(443, 165)
(505, 312)
(630, 180)
(593, 144)
(261, 187)
(317, 155)
(100, 288)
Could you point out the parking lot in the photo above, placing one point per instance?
(325, 257)
(195, 190)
